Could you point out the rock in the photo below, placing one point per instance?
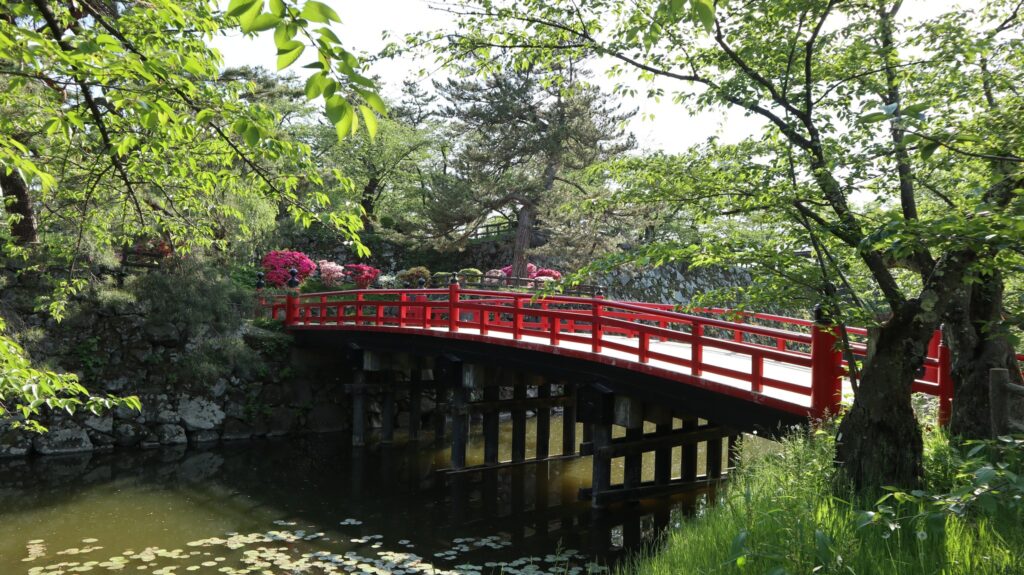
(301, 394)
(129, 414)
(128, 433)
(69, 439)
(427, 405)
(14, 443)
(150, 441)
(170, 434)
(203, 436)
(326, 417)
(199, 413)
(102, 423)
(281, 420)
(162, 333)
(272, 394)
(235, 429)
(218, 388)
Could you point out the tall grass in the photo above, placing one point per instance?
(787, 513)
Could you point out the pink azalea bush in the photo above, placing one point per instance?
(548, 273)
(276, 264)
(530, 270)
(332, 274)
(361, 274)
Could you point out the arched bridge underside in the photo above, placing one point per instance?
(689, 382)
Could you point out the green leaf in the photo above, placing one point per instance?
(288, 58)
(705, 10)
(247, 19)
(264, 21)
(238, 7)
(277, 8)
(375, 102)
(344, 125)
(336, 108)
(915, 109)
(319, 12)
(314, 86)
(928, 149)
(252, 136)
(371, 121)
(873, 117)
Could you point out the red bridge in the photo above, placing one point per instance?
(785, 366)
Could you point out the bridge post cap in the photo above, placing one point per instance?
(260, 283)
(293, 282)
(599, 292)
(422, 282)
(452, 279)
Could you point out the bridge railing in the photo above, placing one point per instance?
(632, 331)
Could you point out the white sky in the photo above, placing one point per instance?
(672, 128)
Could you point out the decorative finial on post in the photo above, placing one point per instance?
(453, 279)
(422, 282)
(599, 292)
(260, 283)
(820, 315)
(293, 282)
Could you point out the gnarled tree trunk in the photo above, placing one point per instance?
(879, 441)
(978, 341)
(17, 202)
(521, 244)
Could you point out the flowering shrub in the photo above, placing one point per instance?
(332, 274)
(388, 281)
(494, 277)
(530, 270)
(277, 263)
(547, 273)
(361, 274)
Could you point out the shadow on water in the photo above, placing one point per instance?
(325, 496)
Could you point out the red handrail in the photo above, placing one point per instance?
(612, 331)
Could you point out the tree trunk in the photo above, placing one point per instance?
(368, 201)
(16, 199)
(978, 341)
(879, 441)
(524, 231)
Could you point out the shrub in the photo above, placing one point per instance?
(531, 270)
(361, 274)
(440, 279)
(470, 275)
(277, 264)
(411, 277)
(388, 281)
(331, 274)
(548, 273)
(494, 277)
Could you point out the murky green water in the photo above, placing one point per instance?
(311, 505)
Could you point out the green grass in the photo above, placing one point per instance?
(785, 513)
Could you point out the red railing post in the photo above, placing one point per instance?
(402, 298)
(696, 347)
(595, 322)
(453, 303)
(826, 366)
(644, 351)
(323, 309)
(555, 325)
(945, 380)
(291, 309)
(359, 308)
(756, 372)
(517, 317)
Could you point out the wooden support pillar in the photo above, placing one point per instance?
(491, 424)
(714, 457)
(518, 420)
(633, 463)
(688, 465)
(569, 421)
(602, 464)
(440, 406)
(663, 456)
(387, 414)
(358, 391)
(543, 421)
(415, 398)
(457, 375)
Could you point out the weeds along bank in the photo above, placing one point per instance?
(784, 513)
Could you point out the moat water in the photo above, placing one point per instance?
(315, 505)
